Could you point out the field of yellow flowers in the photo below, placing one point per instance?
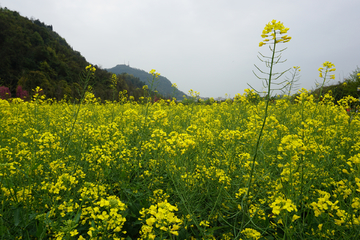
(171, 171)
(241, 169)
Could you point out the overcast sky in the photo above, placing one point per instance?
(205, 45)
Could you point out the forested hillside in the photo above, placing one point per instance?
(32, 54)
(162, 84)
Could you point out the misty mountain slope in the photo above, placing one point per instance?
(161, 84)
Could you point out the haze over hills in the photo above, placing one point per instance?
(161, 84)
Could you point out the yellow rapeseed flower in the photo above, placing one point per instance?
(74, 233)
(274, 28)
(251, 233)
(325, 69)
(154, 73)
(90, 68)
(297, 68)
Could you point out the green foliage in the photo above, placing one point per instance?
(352, 83)
(349, 86)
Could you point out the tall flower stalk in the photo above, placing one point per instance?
(292, 84)
(324, 72)
(273, 35)
(85, 78)
(150, 91)
(153, 83)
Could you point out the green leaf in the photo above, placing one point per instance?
(40, 230)
(77, 217)
(4, 231)
(17, 217)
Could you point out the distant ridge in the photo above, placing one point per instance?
(162, 84)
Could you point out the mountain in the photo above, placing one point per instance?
(32, 55)
(161, 84)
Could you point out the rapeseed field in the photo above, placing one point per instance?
(168, 170)
(239, 169)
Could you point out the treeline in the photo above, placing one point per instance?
(32, 55)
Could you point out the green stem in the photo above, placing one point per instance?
(264, 121)
(322, 86)
(82, 96)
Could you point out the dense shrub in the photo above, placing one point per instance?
(5, 92)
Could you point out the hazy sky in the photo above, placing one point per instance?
(205, 45)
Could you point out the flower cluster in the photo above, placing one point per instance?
(90, 68)
(113, 81)
(154, 73)
(329, 67)
(161, 217)
(281, 204)
(275, 28)
(251, 234)
(323, 204)
(38, 94)
(106, 215)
